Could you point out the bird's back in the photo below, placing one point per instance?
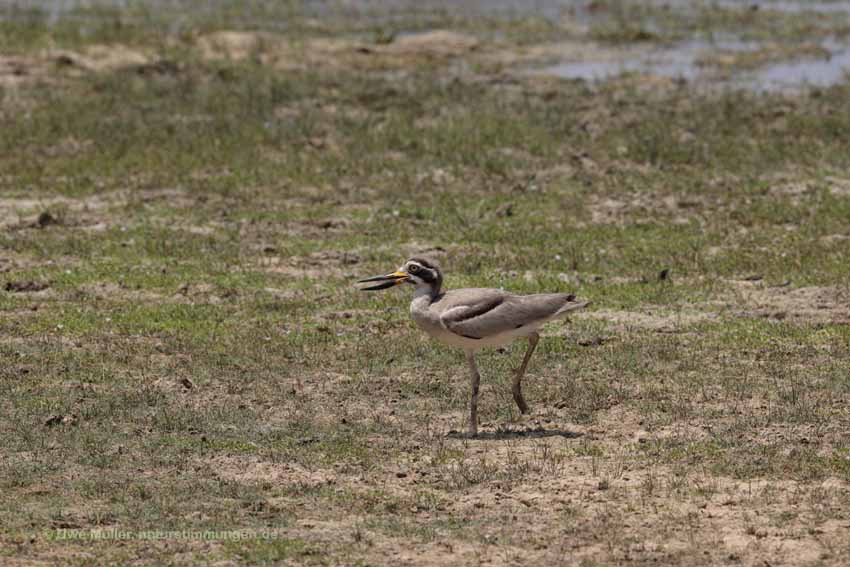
(478, 317)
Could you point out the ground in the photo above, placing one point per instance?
(184, 210)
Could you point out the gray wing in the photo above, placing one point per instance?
(476, 314)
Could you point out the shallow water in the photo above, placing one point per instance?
(682, 61)
(679, 61)
(789, 6)
(790, 75)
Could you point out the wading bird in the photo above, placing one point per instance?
(476, 318)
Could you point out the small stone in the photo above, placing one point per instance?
(53, 420)
(505, 210)
(45, 219)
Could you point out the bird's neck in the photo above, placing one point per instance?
(425, 293)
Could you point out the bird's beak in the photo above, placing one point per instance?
(388, 280)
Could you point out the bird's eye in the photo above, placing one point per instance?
(413, 268)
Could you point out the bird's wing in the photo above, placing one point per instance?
(476, 314)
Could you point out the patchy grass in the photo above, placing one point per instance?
(628, 22)
(184, 351)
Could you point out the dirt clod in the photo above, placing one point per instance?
(45, 219)
(55, 420)
(595, 341)
(27, 286)
(505, 210)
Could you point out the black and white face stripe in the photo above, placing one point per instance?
(423, 271)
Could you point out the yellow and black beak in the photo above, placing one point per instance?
(388, 280)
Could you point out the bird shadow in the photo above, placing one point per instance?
(502, 434)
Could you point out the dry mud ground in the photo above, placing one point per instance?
(188, 374)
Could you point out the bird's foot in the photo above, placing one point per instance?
(524, 418)
(520, 403)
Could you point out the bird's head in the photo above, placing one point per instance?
(424, 273)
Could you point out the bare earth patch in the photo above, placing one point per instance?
(645, 207)
(280, 53)
(660, 321)
(839, 187)
(25, 212)
(813, 304)
(558, 507)
(19, 70)
(253, 470)
(318, 265)
(100, 58)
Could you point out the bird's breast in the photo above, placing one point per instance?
(421, 313)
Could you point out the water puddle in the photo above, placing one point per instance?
(679, 61)
(788, 6)
(686, 61)
(666, 63)
(792, 75)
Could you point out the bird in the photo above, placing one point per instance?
(476, 318)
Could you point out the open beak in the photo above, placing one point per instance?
(388, 280)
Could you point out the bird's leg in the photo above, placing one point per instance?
(473, 402)
(517, 388)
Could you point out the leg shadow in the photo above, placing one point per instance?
(502, 434)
